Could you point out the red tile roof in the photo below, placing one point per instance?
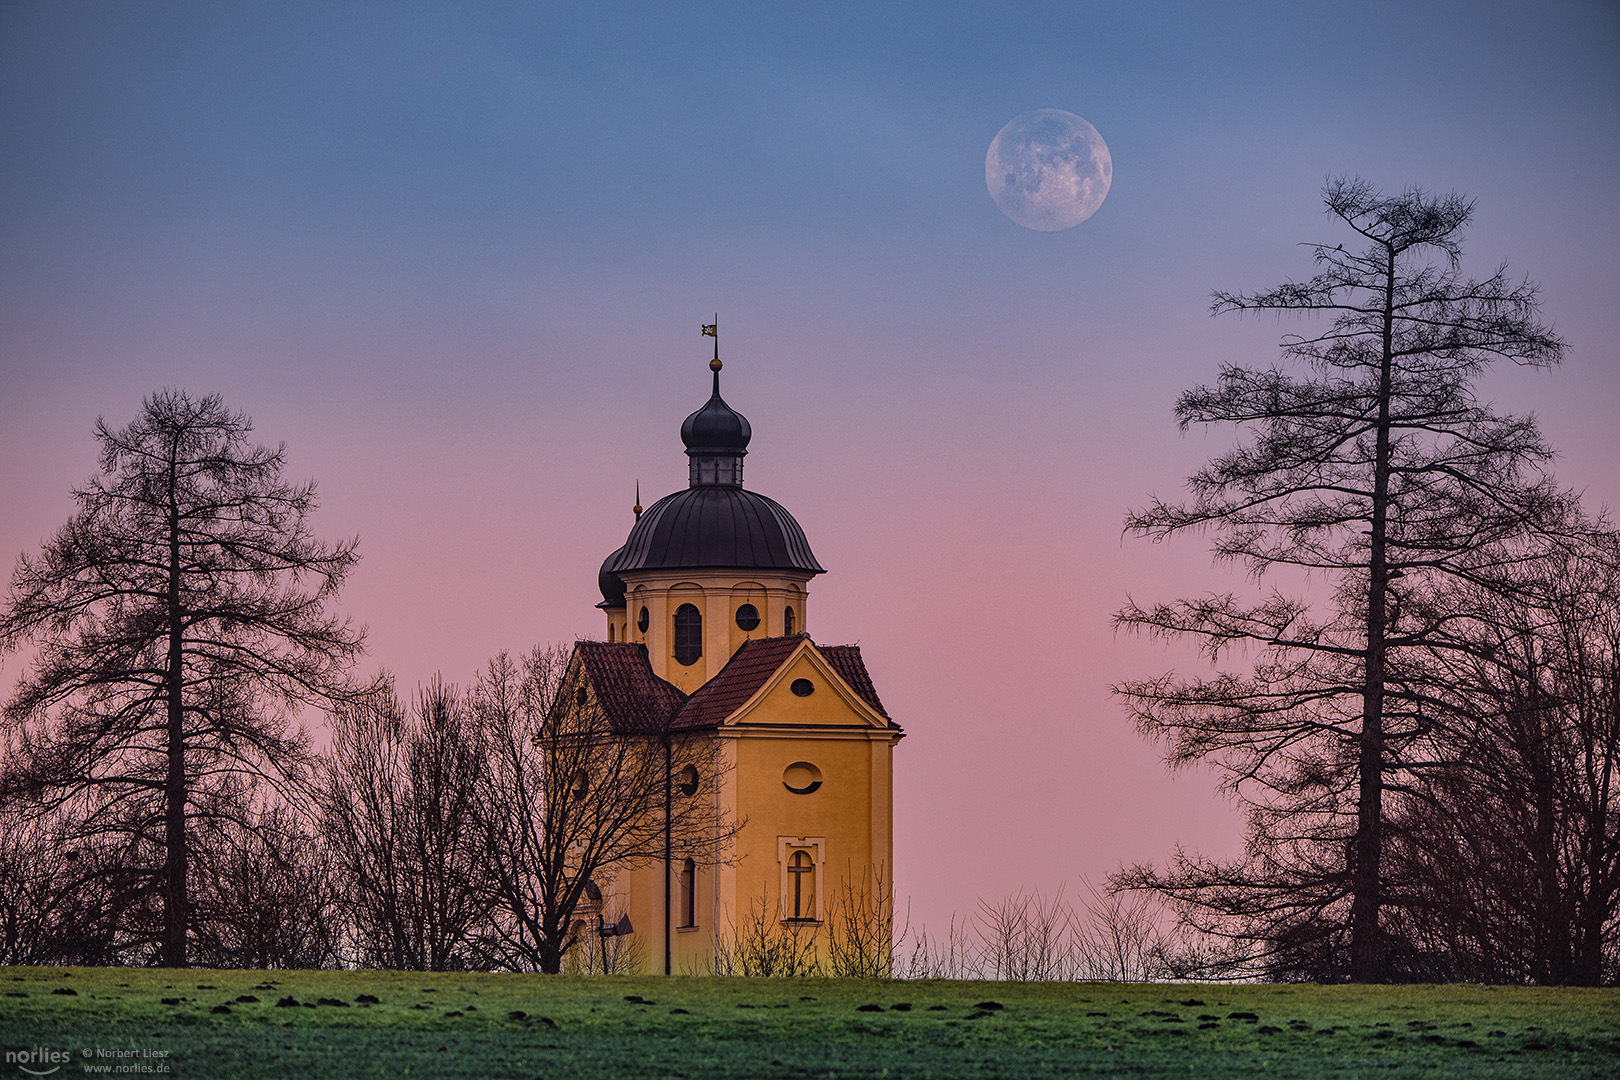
(755, 663)
(738, 681)
(634, 700)
(846, 660)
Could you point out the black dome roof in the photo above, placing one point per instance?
(716, 428)
(714, 527)
(610, 584)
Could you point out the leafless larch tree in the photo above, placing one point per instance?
(1366, 463)
(178, 621)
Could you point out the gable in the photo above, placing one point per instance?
(807, 691)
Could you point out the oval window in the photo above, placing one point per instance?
(802, 687)
(747, 617)
(642, 621)
(687, 780)
(801, 778)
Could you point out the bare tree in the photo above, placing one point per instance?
(1026, 937)
(400, 815)
(1507, 848)
(40, 879)
(571, 799)
(763, 945)
(267, 896)
(861, 934)
(1377, 470)
(179, 619)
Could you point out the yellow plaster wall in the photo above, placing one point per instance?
(717, 596)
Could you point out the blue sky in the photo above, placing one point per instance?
(456, 256)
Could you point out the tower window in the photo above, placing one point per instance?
(688, 893)
(642, 621)
(688, 634)
(788, 626)
(747, 617)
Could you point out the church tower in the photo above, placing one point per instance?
(707, 612)
(709, 568)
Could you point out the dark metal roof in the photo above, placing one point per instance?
(716, 428)
(611, 586)
(715, 527)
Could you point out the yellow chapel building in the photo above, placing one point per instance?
(708, 636)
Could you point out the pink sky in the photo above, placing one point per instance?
(458, 263)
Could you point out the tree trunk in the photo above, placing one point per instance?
(1366, 951)
(550, 956)
(174, 800)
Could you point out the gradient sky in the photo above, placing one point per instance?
(456, 256)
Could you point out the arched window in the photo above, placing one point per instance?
(611, 629)
(788, 627)
(688, 634)
(689, 893)
(802, 876)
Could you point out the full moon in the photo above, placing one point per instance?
(1048, 170)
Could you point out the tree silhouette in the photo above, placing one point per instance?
(1506, 849)
(178, 620)
(571, 802)
(401, 819)
(1368, 462)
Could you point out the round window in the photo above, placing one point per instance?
(687, 780)
(802, 687)
(643, 621)
(747, 617)
(801, 778)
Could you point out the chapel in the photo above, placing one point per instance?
(708, 638)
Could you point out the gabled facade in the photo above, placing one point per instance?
(707, 609)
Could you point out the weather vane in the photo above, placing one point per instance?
(713, 330)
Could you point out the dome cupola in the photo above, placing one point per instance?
(716, 437)
(715, 523)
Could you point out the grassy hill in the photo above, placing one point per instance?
(216, 1024)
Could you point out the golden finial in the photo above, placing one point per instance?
(638, 500)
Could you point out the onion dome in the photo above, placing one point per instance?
(716, 428)
(716, 438)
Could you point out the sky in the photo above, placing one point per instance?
(456, 258)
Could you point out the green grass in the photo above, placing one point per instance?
(470, 1025)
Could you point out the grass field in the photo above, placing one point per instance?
(208, 1024)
